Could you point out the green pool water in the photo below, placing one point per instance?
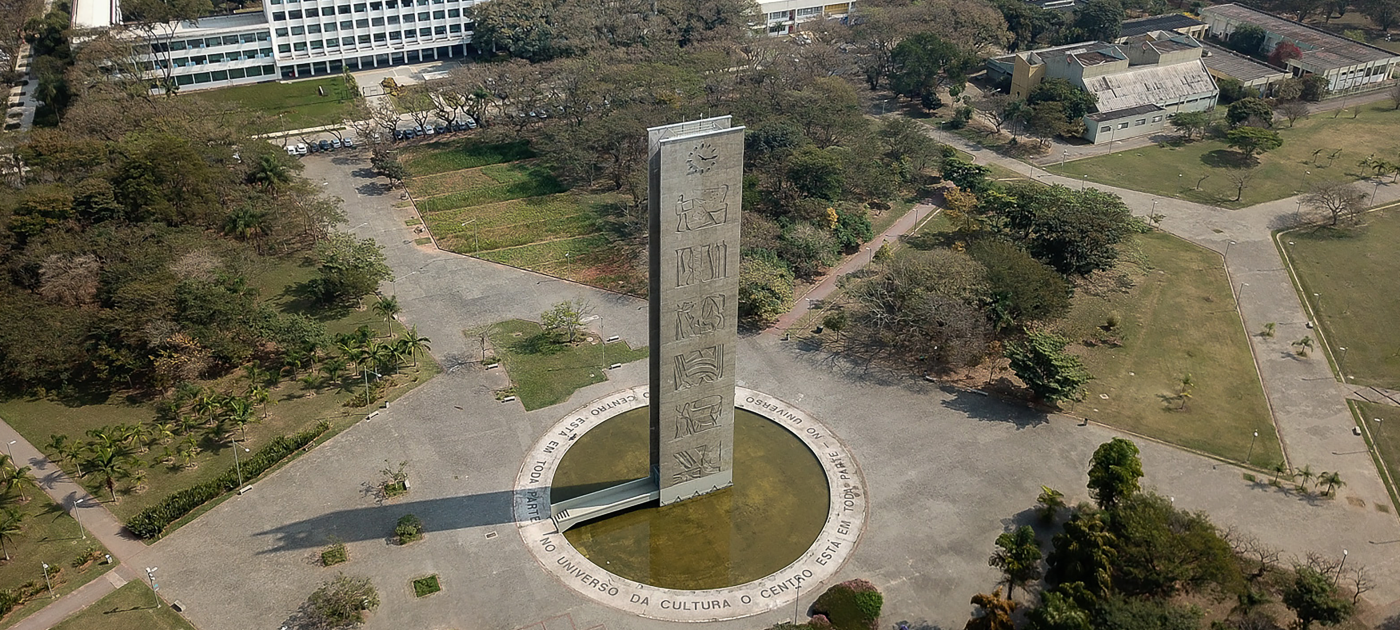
(771, 515)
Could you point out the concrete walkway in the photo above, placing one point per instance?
(96, 522)
(915, 217)
(1312, 419)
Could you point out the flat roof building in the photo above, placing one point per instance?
(1174, 22)
(1344, 62)
(1224, 63)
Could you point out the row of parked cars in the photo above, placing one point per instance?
(302, 148)
(465, 124)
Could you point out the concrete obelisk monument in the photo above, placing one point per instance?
(696, 179)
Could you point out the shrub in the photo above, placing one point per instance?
(851, 605)
(423, 587)
(335, 554)
(152, 521)
(409, 529)
(341, 603)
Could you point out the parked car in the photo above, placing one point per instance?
(399, 134)
(291, 150)
(324, 145)
(440, 129)
(335, 144)
(459, 126)
(301, 148)
(427, 131)
(471, 123)
(349, 143)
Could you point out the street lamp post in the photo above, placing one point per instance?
(1251, 447)
(1340, 566)
(1063, 154)
(1379, 426)
(1227, 250)
(76, 503)
(11, 453)
(46, 579)
(1342, 363)
(476, 235)
(1375, 190)
(1154, 209)
(239, 467)
(1084, 181)
(151, 575)
(1240, 291)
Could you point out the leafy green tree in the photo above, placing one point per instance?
(816, 173)
(1231, 90)
(1083, 555)
(1114, 472)
(1018, 556)
(1314, 599)
(807, 249)
(765, 288)
(1074, 231)
(247, 224)
(341, 602)
(566, 317)
(1099, 19)
(1190, 123)
(1383, 13)
(1020, 289)
(853, 228)
(923, 62)
(1052, 374)
(1253, 140)
(966, 175)
(1162, 551)
(1077, 103)
(1247, 39)
(349, 268)
(1122, 613)
(1058, 612)
(1250, 111)
(272, 172)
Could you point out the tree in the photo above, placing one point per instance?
(1240, 177)
(1100, 20)
(1048, 120)
(349, 268)
(1083, 555)
(1247, 39)
(414, 344)
(816, 173)
(341, 602)
(1021, 289)
(1049, 503)
(765, 288)
(1384, 13)
(1076, 232)
(149, 17)
(1332, 480)
(1336, 199)
(1292, 110)
(109, 464)
(1250, 111)
(923, 62)
(388, 165)
(271, 171)
(21, 477)
(1253, 140)
(1190, 123)
(1314, 88)
(1052, 374)
(247, 224)
(993, 612)
(11, 526)
(1001, 109)
(1283, 52)
(1058, 612)
(1077, 102)
(566, 317)
(1114, 472)
(1314, 598)
(1018, 556)
(387, 307)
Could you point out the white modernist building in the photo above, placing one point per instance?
(291, 39)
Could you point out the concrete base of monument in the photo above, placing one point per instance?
(619, 560)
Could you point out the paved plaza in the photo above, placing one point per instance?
(946, 471)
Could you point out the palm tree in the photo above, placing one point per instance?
(1279, 469)
(107, 438)
(384, 356)
(18, 478)
(415, 344)
(259, 396)
(239, 411)
(1306, 474)
(353, 353)
(163, 432)
(206, 403)
(255, 373)
(387, 307)
(59, 446)
(247, 224)
(109, 465)
(11, 525)
(1333, 481)
(189, 424)
(271, 172)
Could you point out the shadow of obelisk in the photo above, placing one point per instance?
(694, 195)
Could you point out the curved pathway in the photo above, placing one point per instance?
(1310, 414)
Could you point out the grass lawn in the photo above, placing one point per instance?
(296, 406)
(496, 183)
(595, 259)
(545, 373)
(127, 608)
(49, 536)
(1384, 435)
(1343, 273)
(1178, 317)
(298, 103)
(460, 153)
(520, 221)
(1172, 171)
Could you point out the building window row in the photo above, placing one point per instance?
(344, 9)
(225, 75)
(210, 42)
(369, 39)
(200, 60)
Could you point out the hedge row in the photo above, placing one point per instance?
(150, 522)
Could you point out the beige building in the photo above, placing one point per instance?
(1346, 64)
(1138, 83)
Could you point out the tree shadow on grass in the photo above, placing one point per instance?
(301, 299)
(1226, 158)
(539, 344)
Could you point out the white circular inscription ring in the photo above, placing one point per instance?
(844, 522)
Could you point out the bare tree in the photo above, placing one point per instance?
(1360, 582)
(1241, 178)
(1336, 199)
(1292, 110)
(417, 102)
(1249, 548)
